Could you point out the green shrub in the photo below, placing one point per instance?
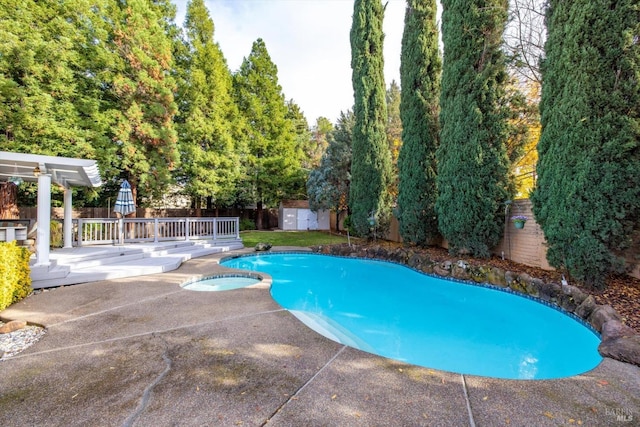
(15, 277)
(56, 234)
(247, 224)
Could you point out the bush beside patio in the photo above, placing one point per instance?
(15, 280)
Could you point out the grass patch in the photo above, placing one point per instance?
(251, 238)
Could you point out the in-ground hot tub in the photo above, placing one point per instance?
(222, 282)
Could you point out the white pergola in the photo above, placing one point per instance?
(63, 171)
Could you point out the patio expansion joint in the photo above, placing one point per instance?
(303, 386)
(146, 395)
(466, 399)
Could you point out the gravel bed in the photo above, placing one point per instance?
(17, 341)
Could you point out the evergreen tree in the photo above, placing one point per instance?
(393, 128)
(473, 169)
(420, 70)
(302, 136)
(143, 108)
(587, 199)
(328, 184)
(272, 164)
(302, 132)
(207, 142)
(319, 142)
(369, 197)
(49, 101)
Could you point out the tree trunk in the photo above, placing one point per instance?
(259, 216)
(198, 206)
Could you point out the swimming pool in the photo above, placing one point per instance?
(396, 312)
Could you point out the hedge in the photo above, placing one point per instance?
(15, 277)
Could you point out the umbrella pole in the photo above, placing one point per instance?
(121, 223)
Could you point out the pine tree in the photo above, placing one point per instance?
(272, 165)
(145, 147)
(420, 70)
(207, 143)
(587, 199)
(472, 177)
(369, 198)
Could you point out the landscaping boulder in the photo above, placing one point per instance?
(260, 247)
(620, 342)
(12, 326)
(587, 306)
(601, 315)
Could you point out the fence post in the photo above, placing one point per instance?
(215, 229)
(237, 223)
(186, 228)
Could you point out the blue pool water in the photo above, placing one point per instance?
(393, 311)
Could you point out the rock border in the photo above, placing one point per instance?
(618, 341)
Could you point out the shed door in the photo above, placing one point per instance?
(307, 220)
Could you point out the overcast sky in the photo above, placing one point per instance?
(308, 40)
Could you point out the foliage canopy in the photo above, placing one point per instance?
(472, 177)
(587, 200)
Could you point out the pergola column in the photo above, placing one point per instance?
(67, 227)
(43, 232)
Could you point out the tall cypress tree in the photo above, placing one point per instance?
(420, 69)
(587, 199)
(371, 164)
(472, 163)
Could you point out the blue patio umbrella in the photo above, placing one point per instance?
(124, 206)
(124, 202)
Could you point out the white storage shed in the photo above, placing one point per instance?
(296, 215)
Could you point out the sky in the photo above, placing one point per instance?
(308, 40)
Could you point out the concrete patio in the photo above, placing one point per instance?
(141, 351)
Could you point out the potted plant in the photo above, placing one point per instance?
(519, 220)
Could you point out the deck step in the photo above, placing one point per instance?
(127, 261)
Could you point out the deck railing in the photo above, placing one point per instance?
(96, 231)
